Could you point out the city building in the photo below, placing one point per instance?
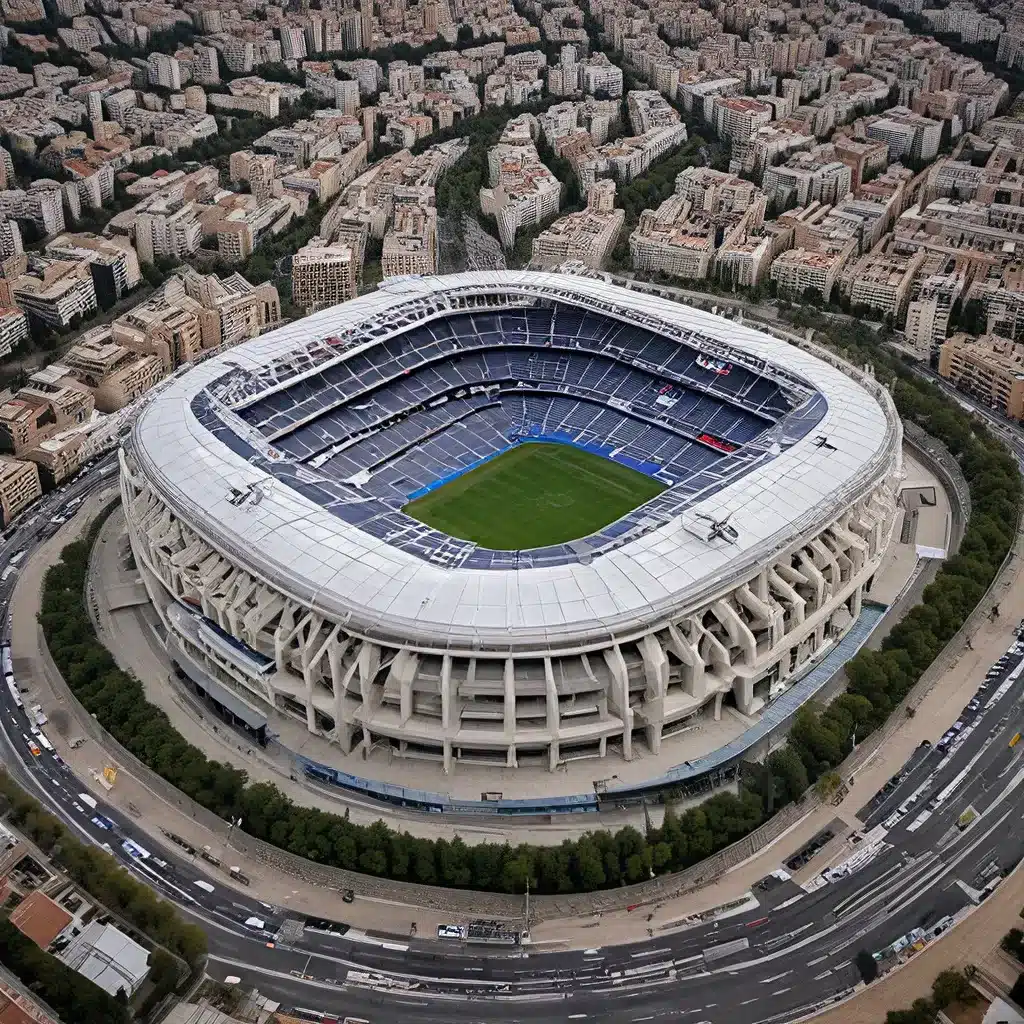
(108, 958)
(324, 274)
(589, 235)
(410, 246)
(522, 191)
(55, 293)
(19, 487)
(13, 329)
(113, 374)
(908, 136)
(989, 368)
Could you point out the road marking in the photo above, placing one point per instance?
(811, 963)
(577, 1016)
(775, 977)
(819, 977)
(747, 1002)
(781, 992)
(650, 952)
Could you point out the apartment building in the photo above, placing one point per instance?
(744, 260)
(522, 190)
(881, 281)
(10, 238)
(113, 262)
(54, 293)
(737, 118)
(907, 135)
(19, 487)
(627, 159)
(600, 77)
(710, 209)
(806, 177)
(42, 422)
(160, 327)
(230, 309)
(815, 265)
(164, 71)
(13, 329)
(167, 228)
(42, 203)
(589, 236)
(205, 65)
(113, 374)
(989, 368)
(649, 109)
(865, 158)
(410, 247)
(324, 274)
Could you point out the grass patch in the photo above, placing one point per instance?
(534, 495)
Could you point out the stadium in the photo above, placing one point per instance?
(509, 519)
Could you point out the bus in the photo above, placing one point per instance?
(12, 686)
(134, 850)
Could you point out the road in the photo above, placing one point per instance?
(792, 947)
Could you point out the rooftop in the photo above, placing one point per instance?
(300, 542)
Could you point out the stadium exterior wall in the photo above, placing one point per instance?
(745, 637)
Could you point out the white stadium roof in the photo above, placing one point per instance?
(377, 589)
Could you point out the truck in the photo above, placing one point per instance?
(87, 800)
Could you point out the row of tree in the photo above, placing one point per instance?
(72, 995)
(99, 875)
(819, 741)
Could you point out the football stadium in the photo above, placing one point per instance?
(509, 519)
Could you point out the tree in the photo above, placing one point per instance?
(866, 965)
(951, 987)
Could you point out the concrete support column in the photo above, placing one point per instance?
(343, 729)
(618, 699)
(718, 706)
(551, 694)
(814, 577)
(743, 691)
(739, 632)
(693, 680)
(403, 672)
(782, 580)
(446, 694)
(510, 703)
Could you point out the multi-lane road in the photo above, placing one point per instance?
(786, 951)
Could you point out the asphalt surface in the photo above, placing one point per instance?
(792, 949)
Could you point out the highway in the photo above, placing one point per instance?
(786, 951)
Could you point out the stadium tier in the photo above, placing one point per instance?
(279, 497)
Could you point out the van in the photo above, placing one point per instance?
(204, 885)
(255, 922)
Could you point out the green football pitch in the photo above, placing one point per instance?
(533, 495)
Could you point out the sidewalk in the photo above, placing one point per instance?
(933, 716)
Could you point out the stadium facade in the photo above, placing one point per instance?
(264, 489)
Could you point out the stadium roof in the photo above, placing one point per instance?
(378, 590)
